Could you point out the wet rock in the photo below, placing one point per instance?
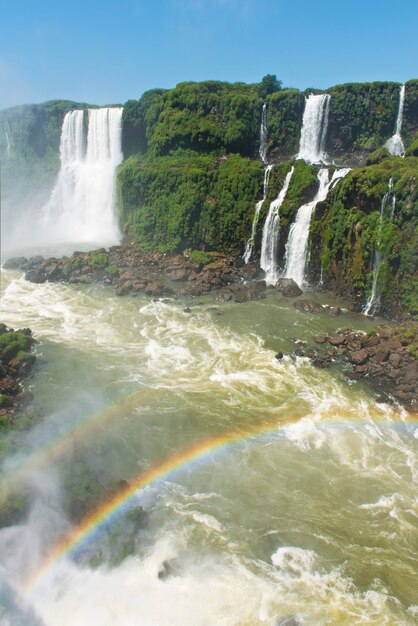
(288, 287)
(179, 275)
(15, 263)
(359, 357)
(247, 293)
(337, 340)
(279, 356)
(394, 359)
(381, 353)
(321, 338)
(307, 306)
(36, 275)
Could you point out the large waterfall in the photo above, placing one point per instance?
(314, 129)
(297, 244)
(81, 206)
(270, 241)
(263, 155)
(395, 143)
(389, 199)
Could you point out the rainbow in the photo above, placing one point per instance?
(174, 463)
(65, 440)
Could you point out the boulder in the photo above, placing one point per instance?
(36, 275)
(15, 263)
(288, 287)
(307, 306)
(359, 357)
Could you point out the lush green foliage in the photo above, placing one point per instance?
(362, 116)
(207, 116)
(189, 200)
(345, 233)
(284, 122)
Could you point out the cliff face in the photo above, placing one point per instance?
(192, 175)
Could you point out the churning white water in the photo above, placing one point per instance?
(250, 243)
(270, 241)
(389, 199)
(395, 143)
(310, 522)
(81, 206)
(297, 244)
(314, 129)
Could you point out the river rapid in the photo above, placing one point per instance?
(294, 500)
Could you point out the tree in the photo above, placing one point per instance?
(269, 84)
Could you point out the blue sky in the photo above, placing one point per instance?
(114, 50)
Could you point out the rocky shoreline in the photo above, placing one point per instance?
(386, 360)
(129, 271)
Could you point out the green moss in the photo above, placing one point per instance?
(199, 258)
(112, 270)
(99, 260)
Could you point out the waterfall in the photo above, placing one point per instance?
(314, 129)
(270, 240)
(373, 303)
(395, 143)
(263, 155)
(250, 243)
(81, 206)
(8, 145)
(262, 151)
(297, 243)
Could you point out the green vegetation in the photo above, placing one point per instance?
(345, 233)
(189, 200)
(362, 116)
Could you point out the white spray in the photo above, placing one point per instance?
(314, 129)
(395, 143)
(297, 243)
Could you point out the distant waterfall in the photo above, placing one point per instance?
(314, 129)
(262, 151)
(297, 243)
(395, 143)
(81, 206)
(8, 145)
(250, 243)
(270, 242)
(379, 254)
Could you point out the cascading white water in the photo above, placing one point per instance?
(250, 243)
(263, 135)
(314, 129)
(8, 145)
(81, 206)
(297, 243)
(270, 239)
(373, 303)
(395, 143)
(262, 151)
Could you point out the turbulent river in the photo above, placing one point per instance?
(267, 491)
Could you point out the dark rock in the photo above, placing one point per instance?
(369, 341)
(337, 340)
(279, 356)
(15, 263)
(359, 357)
(187, 309)
(394, 359)
(288, 287)
(179, 275)
(307, 306)
(247, 293)
(36, 275)
(381, 353)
